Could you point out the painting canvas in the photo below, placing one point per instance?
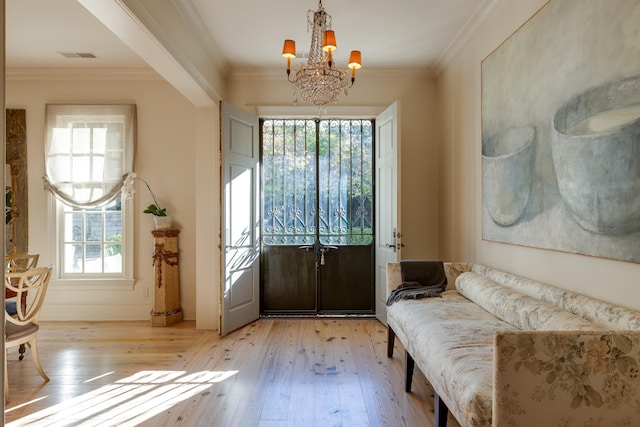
(561, 131)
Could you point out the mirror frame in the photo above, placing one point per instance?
(16, 160)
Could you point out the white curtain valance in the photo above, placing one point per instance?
(89, 150)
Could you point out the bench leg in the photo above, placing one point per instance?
(408, 378)
(440, 411)
(391, 339)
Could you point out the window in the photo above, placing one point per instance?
(89, 151)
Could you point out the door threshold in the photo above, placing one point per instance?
(315, 316)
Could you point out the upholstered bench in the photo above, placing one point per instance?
(499, 349)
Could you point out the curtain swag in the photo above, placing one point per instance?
(89, 151)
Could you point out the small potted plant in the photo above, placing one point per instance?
(161, 220)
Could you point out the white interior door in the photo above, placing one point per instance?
(388, 245)
(240, 234)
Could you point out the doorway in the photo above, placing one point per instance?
(317, 186)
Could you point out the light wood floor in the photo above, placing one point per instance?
(274, 372)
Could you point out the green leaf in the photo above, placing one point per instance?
(155, 210)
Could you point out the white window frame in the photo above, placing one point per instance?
(55, 226)
(90, 281)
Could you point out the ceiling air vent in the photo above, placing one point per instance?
(85, 55)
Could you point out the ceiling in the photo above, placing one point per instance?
(249, 33)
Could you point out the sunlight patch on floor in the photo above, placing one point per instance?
(129, 401)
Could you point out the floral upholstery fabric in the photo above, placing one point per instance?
(606, 315)
(515, 352)
(451, 341)
(517, 309)
(567, 379)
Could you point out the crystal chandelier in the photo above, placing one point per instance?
(319, 81)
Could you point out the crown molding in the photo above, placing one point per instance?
(81, 74)
(367, 74)
(464, 35)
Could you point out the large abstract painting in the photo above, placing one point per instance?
(561, 131)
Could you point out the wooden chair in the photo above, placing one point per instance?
(18, 262)
(22, 328)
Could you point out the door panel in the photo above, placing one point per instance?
(388, 244)
(240, 219)
(287, 286)
(347, 278)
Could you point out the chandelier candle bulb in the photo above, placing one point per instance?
(355, 63)
(329, 41)
(329, 44)
(289, 51)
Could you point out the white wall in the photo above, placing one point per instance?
(415, 89)
(460, 181)
(165, 157)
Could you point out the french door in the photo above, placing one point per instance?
(317, 248)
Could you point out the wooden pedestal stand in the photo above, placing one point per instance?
(166, 307)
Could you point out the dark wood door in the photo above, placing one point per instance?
(317, 192)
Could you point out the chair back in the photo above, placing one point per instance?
(20, 261)
(34, 282)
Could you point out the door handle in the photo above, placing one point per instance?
(324, 249)
(307, 248)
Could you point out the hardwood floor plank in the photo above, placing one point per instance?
(274, 372)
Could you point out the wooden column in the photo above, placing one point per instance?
(166, 307)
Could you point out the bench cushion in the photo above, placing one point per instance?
(451, 341)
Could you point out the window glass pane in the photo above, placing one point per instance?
(69, 227)
(81, 169)
(93, 259)
(81, 140)
(99, 141)
(113, 259)
(60, 141)
(113, 227)
(72, 258)
(97, 168)
(93, 229)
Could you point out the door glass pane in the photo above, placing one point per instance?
(345, 182)
(343, 172)
(289, 176)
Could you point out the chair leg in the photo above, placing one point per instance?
(440, 411)
(36, 359)
(22, 349)
(408, 378)
(391, 339)
(6, 379)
